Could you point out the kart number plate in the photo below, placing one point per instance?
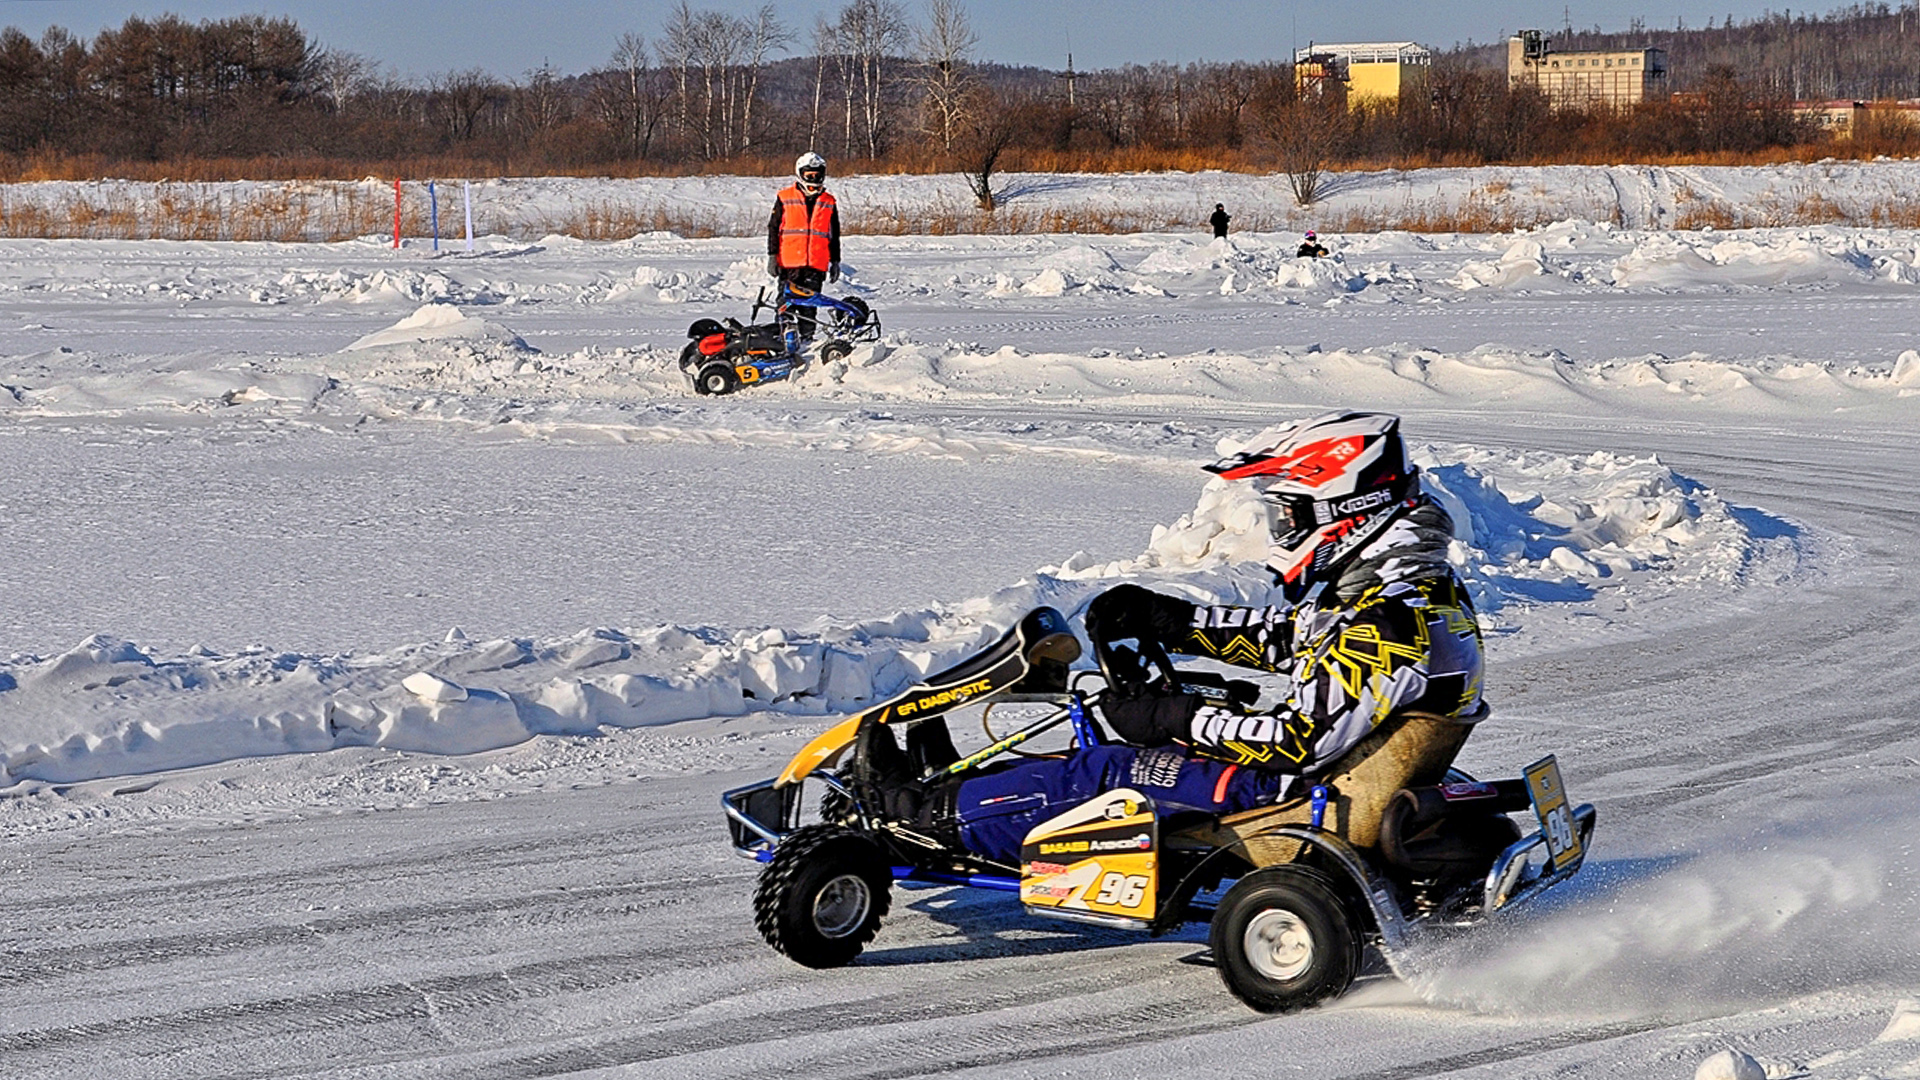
(1556, 816)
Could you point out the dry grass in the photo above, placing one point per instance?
(614, 221)
(302, 211)
(180, 211)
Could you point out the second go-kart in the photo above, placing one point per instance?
(1388, 845)
(722, 357)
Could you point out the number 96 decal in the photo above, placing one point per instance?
(1121, 890)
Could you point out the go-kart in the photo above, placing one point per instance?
(724, 356)
(1387, 845)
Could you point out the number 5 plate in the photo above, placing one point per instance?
(1556, 816)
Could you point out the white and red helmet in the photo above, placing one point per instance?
(1331, 484)
(810, 172)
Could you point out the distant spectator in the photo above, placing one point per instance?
(1219, 219)
(1311, 248)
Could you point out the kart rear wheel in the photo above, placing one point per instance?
(1283, 940)
(835, 350)
(821, 898)
(716, 378)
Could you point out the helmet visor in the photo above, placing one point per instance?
(814, 174)
(1290, 517)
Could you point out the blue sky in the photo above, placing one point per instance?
(510, 38)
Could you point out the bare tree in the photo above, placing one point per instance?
(946, 45)
(826, 44)
(540, 105)
(763, 35)
(342, 75)
(986, 134)
(1305, 133)
(676, 48)
(626, 97)
(868, 33)
(459, 99)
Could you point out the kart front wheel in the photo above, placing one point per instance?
(821, 898)
(835, 350)
(1283, 940)
(716, 378)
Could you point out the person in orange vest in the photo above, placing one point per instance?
(803, 235)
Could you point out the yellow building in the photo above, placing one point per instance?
(1374, 72)
(1835, 119)
(1619, 78)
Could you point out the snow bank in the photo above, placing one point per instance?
(1533, 528)
(1681, 261)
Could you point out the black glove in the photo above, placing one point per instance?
(773, 266)
(1129, 611)
(1149, 719)
(833, 271)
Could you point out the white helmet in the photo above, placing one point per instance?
(810, 169)
(1331, 484)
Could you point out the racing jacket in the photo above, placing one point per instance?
(1397, 632)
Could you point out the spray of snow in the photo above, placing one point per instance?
(1748, 919)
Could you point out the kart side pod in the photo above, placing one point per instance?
(1098, 862)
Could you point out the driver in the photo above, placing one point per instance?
(1368, 619)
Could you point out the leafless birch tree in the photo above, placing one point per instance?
(946, 45)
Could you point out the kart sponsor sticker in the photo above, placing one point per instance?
(945, 697)
(1100, 857)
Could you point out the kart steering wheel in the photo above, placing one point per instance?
(1130, 671)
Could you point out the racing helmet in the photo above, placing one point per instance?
(1331, 484)
(1311, 235)
(810, 169)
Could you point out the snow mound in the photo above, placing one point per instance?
(647, 285)
(417, 286)
(440, 323)
(1522, 261)
(199, 392)
(1673, 261)
(1529, 527)
(1730, 1065)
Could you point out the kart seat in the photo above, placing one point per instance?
(1407, 749)
(1450, 831)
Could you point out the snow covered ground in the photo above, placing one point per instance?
(377, 630)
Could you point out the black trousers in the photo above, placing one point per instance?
(808, 280)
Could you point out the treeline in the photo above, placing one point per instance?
(876, 88)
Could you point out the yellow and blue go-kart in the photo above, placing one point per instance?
(1389, 844)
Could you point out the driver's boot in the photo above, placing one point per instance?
(889, 785)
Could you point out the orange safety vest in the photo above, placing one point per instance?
(805, 242)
